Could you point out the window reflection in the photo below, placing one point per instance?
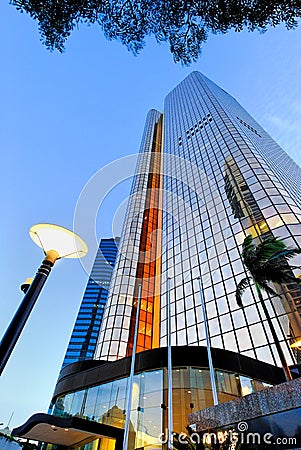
(191, 392)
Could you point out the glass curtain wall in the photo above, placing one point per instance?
(191, 392)
(220, 184)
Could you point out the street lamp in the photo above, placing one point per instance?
(57, 243)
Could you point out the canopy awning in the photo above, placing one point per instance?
(67, 431)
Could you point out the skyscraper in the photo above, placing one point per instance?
(207, 176)
(84, 336)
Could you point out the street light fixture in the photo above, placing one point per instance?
(57, 243)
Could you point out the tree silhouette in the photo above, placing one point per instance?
(184, 24)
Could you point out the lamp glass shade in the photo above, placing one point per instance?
(53, 237)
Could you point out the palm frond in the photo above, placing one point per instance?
(248, 242)
(269, 248)
(267, 263)
(282, 277)
(275, 273)
(248, 251)
(264, 286)
(241, 287)
(286, 254)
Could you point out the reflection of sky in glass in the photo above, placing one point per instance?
(217, 161)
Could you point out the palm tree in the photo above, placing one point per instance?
(267, 263)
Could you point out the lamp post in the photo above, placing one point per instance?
(57, 243)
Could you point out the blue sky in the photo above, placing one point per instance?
(64, 117)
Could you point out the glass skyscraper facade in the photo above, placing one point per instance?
(84, 336)
(207, 176)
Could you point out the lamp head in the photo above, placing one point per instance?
(57, 242)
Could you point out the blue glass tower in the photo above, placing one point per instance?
(87, 325)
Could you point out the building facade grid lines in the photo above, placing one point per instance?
(219, 185)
